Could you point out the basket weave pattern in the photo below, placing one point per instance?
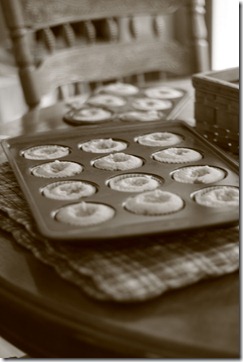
(217, 109)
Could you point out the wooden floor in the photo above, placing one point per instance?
(7, 350)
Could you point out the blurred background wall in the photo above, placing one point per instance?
(12, 104)
(224, 33)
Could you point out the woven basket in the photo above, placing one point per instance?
(217, 107)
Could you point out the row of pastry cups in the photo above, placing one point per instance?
(75, 189)
(138, 103)
(104, 145)
(126, 90)
(110, 95)
(151, 203)
(91, 114)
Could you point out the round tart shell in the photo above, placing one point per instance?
(84, 214)
(134, 183)
(155, 202)
(57, 169)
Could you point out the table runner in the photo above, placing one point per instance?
(136, 270)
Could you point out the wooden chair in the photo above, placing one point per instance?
(72, 45)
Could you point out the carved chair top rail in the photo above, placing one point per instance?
(39, 14)
(103, 62)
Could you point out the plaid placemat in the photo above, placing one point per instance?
(134, 271)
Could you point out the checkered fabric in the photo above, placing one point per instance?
(135, 270)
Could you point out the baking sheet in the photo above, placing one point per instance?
(124, 224)
(176, 103)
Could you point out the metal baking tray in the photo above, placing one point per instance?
(124, 224)
(116, 111)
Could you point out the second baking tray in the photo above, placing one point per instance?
(124, 223)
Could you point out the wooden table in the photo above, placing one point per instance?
(48, 317)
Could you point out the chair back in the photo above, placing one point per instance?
(84, 42)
